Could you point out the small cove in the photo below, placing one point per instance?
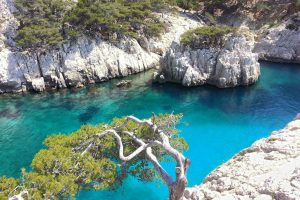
(217, 123)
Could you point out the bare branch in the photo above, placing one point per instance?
(176, 187)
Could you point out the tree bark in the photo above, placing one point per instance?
(176, 187)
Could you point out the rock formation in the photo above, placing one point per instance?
(228, 64)
(275, 21)
(269, 169)
(81, 61)
(282, 43)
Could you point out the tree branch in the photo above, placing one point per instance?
(177, 187)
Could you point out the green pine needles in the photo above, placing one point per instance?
(209, 32)
(90, 159)
(45, 23)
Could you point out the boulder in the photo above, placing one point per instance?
(124, 83)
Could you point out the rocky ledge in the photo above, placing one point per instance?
(281, 43)
(225, 61)
(269, 169)
(81, 61)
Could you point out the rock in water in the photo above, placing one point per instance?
(124, 83)
(224, 62)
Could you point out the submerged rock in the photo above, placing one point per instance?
(269, 169)
(124, 83)
(224, 62)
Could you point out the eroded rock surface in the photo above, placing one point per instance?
(269, 169)
(82, 61)
(230, 63)
(282, 43)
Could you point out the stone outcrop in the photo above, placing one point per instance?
(81, 61)
(282, 43)
(269, 169)
(275, 21)
(230, 63)
(252, 13)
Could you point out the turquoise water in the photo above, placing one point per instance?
(217, 123)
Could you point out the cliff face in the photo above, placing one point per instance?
(228, 65)
(275, 21)
(282, 43)
(253, 13)
(269, 169)
(80, 61)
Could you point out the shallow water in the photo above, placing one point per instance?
(217, 123)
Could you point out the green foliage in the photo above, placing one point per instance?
(7, 185)
(44, 23)
(40, 22)
(103, 17)
(188, 4)
(61, 170)
(209, 32)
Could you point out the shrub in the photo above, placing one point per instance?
(44, 23)
(209, 32)
(40, 22)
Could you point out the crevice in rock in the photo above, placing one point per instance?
(39, 65)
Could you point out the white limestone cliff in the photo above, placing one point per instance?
(269, 169)
(281, 43)
(228, 65)
(82, 61)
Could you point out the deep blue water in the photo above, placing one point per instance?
(217, 123)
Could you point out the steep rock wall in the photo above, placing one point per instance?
(282, 43)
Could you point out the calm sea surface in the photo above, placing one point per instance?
(217, 123)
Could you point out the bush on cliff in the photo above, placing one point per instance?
(40, 22)
(134, 18)
(48, 22)
(44, 23)
(205, 34)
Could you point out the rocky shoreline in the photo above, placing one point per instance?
(281, 43)
(269, 169)
(81, 61)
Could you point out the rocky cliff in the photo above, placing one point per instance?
(269, 169)
(81, 61)
(276, 23)
(281, 43)
(230, 63)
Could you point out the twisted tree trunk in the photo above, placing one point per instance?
(176, 187)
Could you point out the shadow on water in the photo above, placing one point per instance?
(90, 112)
(9, 114)
(229, 100)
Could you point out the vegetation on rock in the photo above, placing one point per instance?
(207, 35)
(44, 23)
(255, 13)
(101, 157)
